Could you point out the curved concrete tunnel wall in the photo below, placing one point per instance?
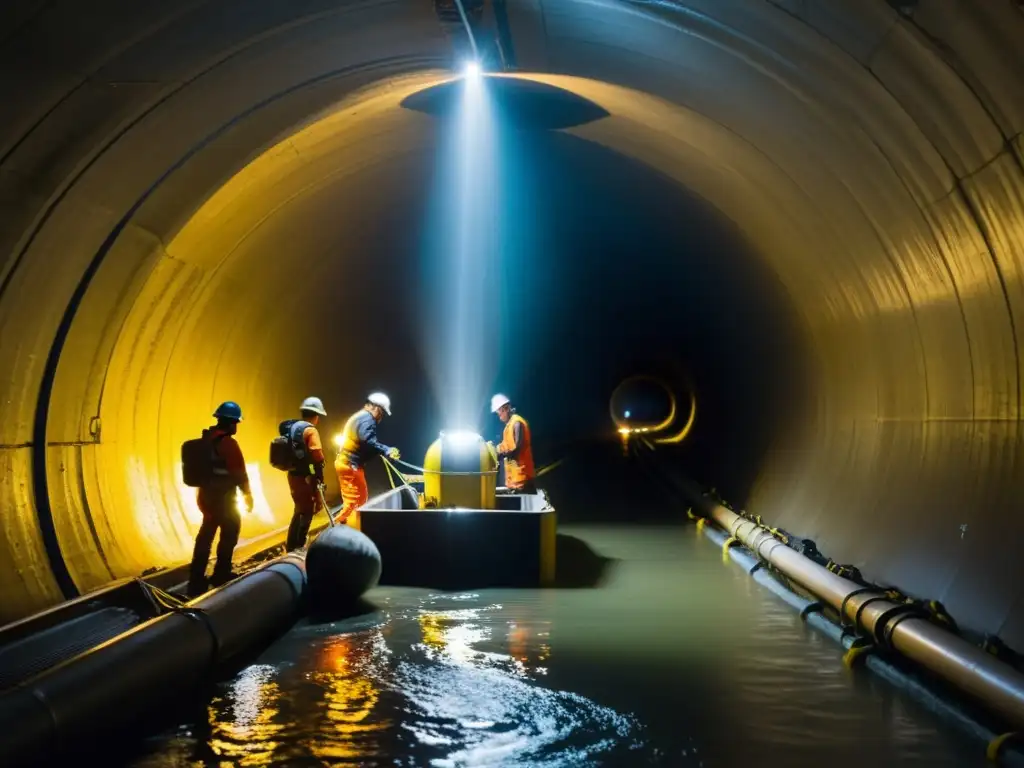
(873, 160)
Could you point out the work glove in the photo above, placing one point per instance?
(250, 505)
(394, 454)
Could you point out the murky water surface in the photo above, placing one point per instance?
(676, 658)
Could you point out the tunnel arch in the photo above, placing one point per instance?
(873, 157)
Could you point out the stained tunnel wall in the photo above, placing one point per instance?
(874, 159)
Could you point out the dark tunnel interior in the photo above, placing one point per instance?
(808, 215)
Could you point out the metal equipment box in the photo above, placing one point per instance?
(512, 545)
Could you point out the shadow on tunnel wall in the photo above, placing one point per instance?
(515, 103)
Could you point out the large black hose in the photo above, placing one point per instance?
(341, 564)
(130, 679)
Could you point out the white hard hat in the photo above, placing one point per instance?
(379, 398)
(314, 404)
(497, 401)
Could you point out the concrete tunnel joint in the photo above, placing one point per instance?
(40, 479)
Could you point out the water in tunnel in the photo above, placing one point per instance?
(807, 212)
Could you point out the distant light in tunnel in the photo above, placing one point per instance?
(471, 69)
(626, 414)
(682, 434)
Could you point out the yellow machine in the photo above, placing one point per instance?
(470, 470)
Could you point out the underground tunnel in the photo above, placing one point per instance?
(812, 212)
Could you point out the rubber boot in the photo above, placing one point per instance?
(196, 586)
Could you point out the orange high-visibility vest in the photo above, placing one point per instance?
(520, 470)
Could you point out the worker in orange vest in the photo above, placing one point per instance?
(306, 482)
(516, 448)
(217, 500)
(357, 444)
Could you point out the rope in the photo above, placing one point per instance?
(394, 472)
(422, 471)
(163, 599)
(391, 473)
(174, 605)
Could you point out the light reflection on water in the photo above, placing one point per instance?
(481, 706)
(676, 660)
(348, 673)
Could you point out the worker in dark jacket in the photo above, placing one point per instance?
(516, 447)
(218, 501)
(306, 482)
(358, 443)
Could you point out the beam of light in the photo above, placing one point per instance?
(471, 70)
(462, 322)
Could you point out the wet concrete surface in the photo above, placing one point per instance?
(653, 652)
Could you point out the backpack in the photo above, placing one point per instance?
(199, 460)
(288, 451)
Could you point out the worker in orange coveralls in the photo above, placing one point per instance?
(306, 482)
(516, 448)
(217, 501)
(358, 444)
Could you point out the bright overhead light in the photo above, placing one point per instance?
(461, 436)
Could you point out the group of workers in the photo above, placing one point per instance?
(357, 445)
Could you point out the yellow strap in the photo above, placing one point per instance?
(855, 652)
(391, 468)
(729, 543)
(995, 747)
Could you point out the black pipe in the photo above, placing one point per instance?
(129, 679)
